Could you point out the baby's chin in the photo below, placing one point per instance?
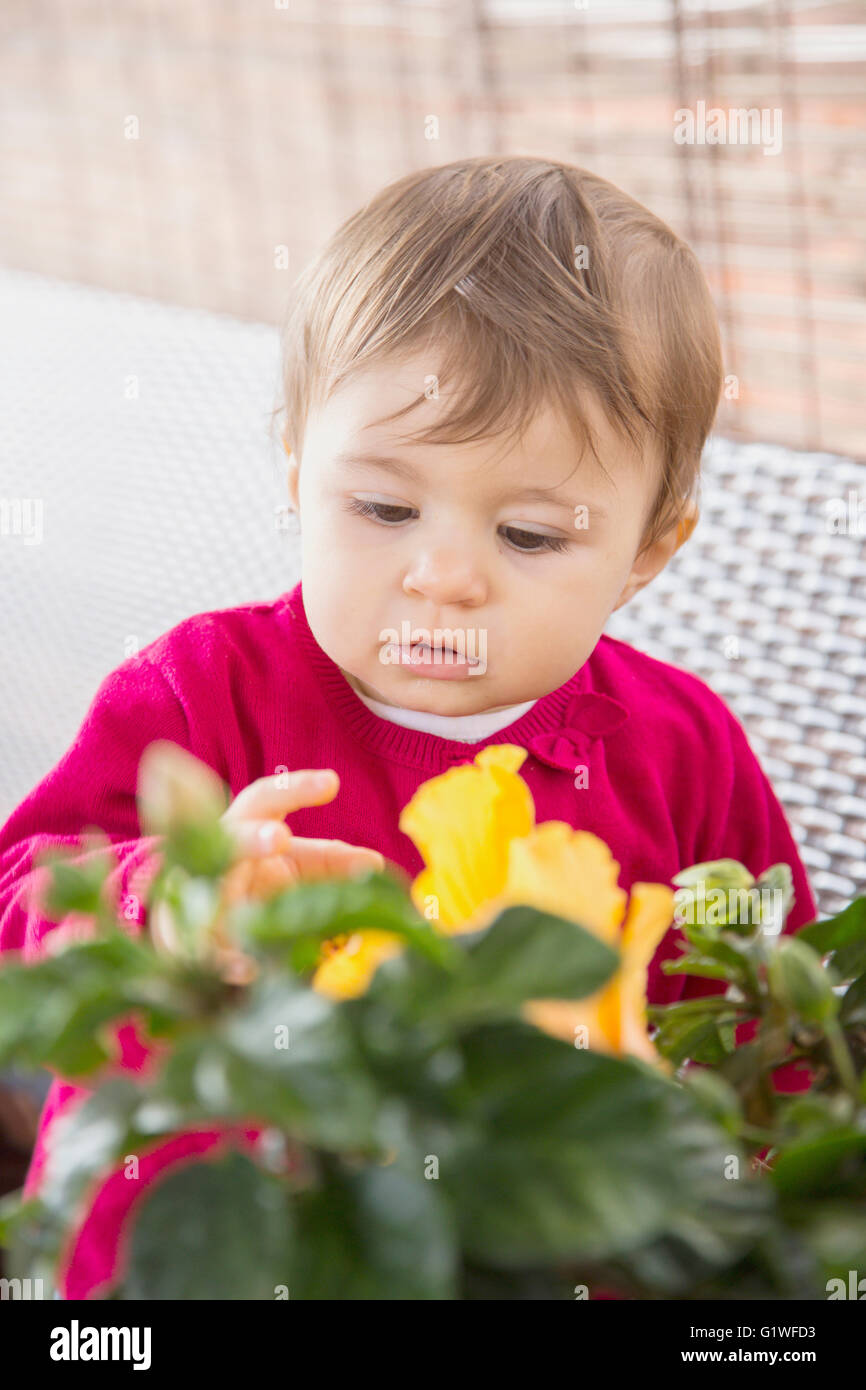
(428, 696)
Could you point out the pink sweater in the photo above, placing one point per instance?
(671, 782)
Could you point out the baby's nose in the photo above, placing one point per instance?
(446, 576)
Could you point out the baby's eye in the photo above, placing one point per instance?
(518, 539)
(382, 511)
(391, 514)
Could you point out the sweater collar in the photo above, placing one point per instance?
(558, 729)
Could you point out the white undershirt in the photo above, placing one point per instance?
(464, 728)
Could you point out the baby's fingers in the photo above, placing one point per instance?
(256, 839)
(274, 798)
(323, 858)
(259, 878)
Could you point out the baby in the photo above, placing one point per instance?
(499, 377)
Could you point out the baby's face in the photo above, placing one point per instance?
(458, 549)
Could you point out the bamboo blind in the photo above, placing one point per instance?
(199, 152)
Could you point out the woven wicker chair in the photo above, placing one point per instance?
(143, 431)
(767, 604)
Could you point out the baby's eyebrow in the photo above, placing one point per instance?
(348, 459)
(403, 469)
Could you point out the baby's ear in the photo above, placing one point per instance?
(687, 525)
(654, 559)
(292, 477)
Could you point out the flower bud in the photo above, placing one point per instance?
(715, 873)
(716, 894)
(175, 788)
(798, 980)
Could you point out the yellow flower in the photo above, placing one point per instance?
(572, 874)
(614, 1019)
(346, 971)
(569, 873)
(463, 823)
(475, 829)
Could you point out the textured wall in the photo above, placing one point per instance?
(262, 123)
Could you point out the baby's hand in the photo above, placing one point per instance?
(256, 821)
(269, 857)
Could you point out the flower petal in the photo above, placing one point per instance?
(570, 873)
(650, 914)
(462, 824)
(615, 1016)
(347, 971)
(576, 1021)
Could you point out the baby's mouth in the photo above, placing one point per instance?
(434, 661)
(440, 654)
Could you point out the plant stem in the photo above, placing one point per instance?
(842, 1058)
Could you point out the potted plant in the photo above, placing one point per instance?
(447, 1089)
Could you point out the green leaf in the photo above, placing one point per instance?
(836, 1231)
(53, 1011)
(776, 1265)
(32, 1238)
(84, 1142)
(572, 1155)
(688, 1031)
(728, 954)
(524, 954)
(528, 954)
(799, 981)
(74, 886)
(212, 1230)
(715, 1094)
(849, 962)
(714, 1003)
(205, 850)
(714, 873)
(724, 894)
(844, 934)
(317, 911)
(852, 1010)
(50, 1008)
(779, 878)
(708, 1043)
(748, 1063)
(810, 1115)
(693, 964)
(194, 904)
(735, 961)
(832, 1165)
(15, 1212)
(381, 1232)
(288, 1057)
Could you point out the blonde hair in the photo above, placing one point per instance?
(539, 281)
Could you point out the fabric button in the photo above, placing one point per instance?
(595, 714)
(564, 749)
(591, 716)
